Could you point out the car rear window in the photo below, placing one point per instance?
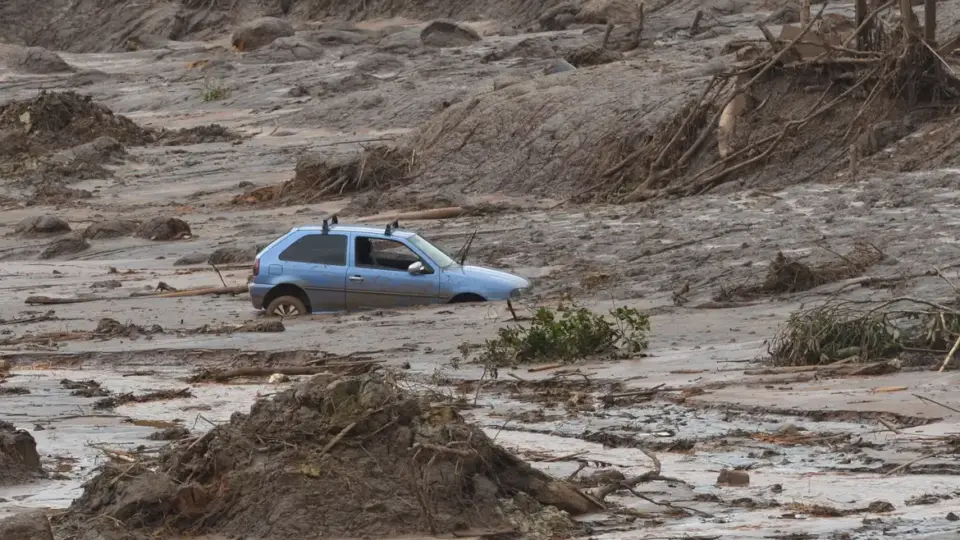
(328, 249)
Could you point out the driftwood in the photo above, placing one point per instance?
(47, 300)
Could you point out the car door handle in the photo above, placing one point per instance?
(356, 278)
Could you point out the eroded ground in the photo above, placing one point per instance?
(823, 453)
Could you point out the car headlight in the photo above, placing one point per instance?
(517, 293)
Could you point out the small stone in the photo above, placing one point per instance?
(729, 477)
(278, 378)
(952, 517)
(880, 507)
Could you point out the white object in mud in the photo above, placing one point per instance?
(278, 378)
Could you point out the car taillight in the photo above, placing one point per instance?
(256, 267)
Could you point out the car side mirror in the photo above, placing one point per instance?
(415, 269)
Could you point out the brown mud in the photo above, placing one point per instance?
(394, 463)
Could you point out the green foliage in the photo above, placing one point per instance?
(215, 91)
(832, 332)
(568, 335)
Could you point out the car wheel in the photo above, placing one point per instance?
(287, 306)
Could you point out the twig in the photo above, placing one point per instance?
(336, 439)
(953, 350)
(217, 270)
(949, 408)
(653, 474)
(907, 465)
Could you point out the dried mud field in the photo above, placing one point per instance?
(151, 158)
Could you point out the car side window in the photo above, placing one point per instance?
(384, 254)
(330, 249)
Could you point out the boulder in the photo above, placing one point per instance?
(290, 49)
(19, 448)
(30, 526)
(36, 60)
(161, 228)
(260, 33)
(45, 224)
(64, 246)
(444, 33)
(403, 41)
(233, 256)
(113, 228)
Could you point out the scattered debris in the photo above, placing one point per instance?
(320, 176)
(87, 389)
(864, 331)
(316, 440)
(159, 395)
(170, 434)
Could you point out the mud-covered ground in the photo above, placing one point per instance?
(822, 452)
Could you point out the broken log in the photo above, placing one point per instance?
(236, 289)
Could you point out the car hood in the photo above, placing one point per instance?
(489, 274)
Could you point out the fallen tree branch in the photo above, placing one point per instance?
(630, 483)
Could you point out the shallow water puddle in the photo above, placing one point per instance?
(70, 432)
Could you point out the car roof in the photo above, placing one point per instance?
(377, 231)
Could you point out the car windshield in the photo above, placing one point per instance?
(436, 254)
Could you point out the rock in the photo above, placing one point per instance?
(35, 60)
(100, 151)
(170, 434)
(161, 228)
(404, 41)
(233, 256)
(19, 446)
(4, 365)
(444, 33)
(113, 228)
(558, 17)
(507, 80)
(336, 37)
(622, 12)
(290, 49)
(260, 33)
(278, 378)
(64, 246)
(880, 507)
(560, 66)
(45, 224)
(30, 526)
(952, 517)
(729, 477)
(193, 258)
(788, 430)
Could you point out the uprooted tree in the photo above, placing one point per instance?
(810, 92)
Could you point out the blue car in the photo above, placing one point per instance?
(342, 268)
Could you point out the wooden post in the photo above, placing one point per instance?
(606, 35)
(907, 18)
(861, 15)
(854, 161)
(930, 22)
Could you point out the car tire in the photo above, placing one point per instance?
(286, 307)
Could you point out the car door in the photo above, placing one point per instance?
(382, 280)
(317, 262)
